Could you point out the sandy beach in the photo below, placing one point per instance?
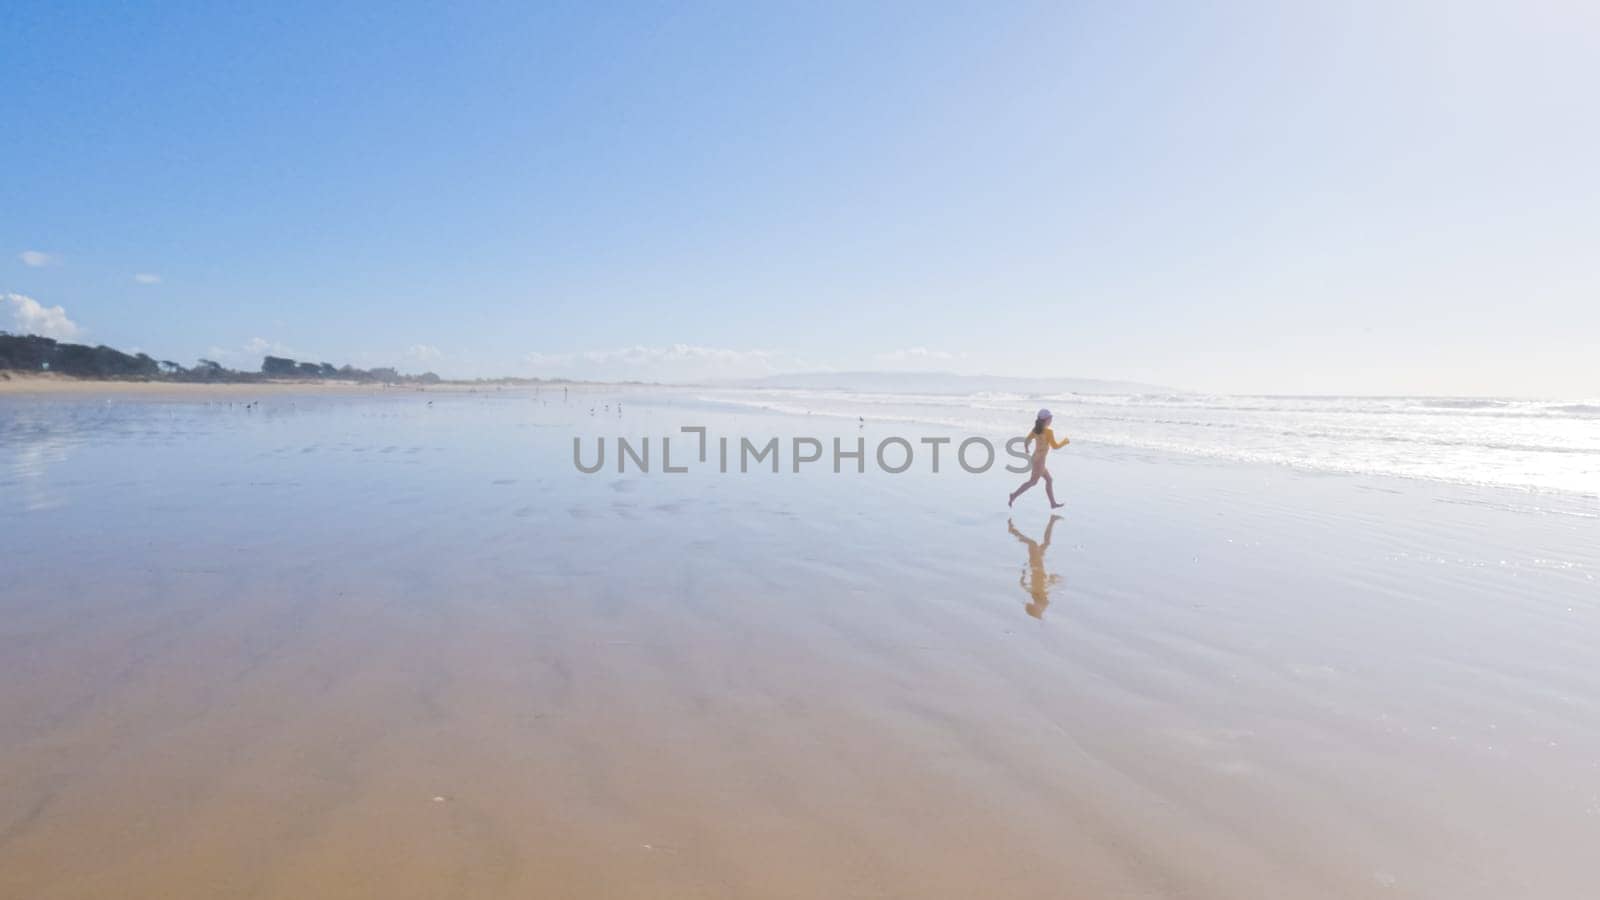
(28, 384)
(346, 643)
(499, 451)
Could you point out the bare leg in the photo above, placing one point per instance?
(1025, 485)
(1050, 491)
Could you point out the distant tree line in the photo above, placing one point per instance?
(283, 367)
(32, 353)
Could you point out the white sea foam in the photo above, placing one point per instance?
(1539, 445)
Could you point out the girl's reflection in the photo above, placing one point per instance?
(1035, 580)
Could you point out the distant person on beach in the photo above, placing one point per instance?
(1043, 441)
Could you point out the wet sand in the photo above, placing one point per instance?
(362, 647)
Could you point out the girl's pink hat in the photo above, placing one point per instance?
(1044, 414)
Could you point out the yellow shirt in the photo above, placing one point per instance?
(1044, 441)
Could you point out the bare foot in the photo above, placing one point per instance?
(1057, 505)
(1011, 500)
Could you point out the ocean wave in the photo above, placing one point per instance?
(1521, 444)
(1474, 409)
(1022, 405)
(1463, 403)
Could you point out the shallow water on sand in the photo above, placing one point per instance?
(397, 646)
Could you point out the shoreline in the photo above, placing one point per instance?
(1565, 500)
(28, 383)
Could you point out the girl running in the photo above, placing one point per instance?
(1043, 440)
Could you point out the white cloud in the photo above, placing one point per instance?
(423, 353)
(263, 347)
(38, 259)
(147, 278)
(677, 362)
(31, 317)
(248, 356)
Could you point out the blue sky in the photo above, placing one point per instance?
(1259, 197)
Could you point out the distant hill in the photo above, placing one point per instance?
(946, 383)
